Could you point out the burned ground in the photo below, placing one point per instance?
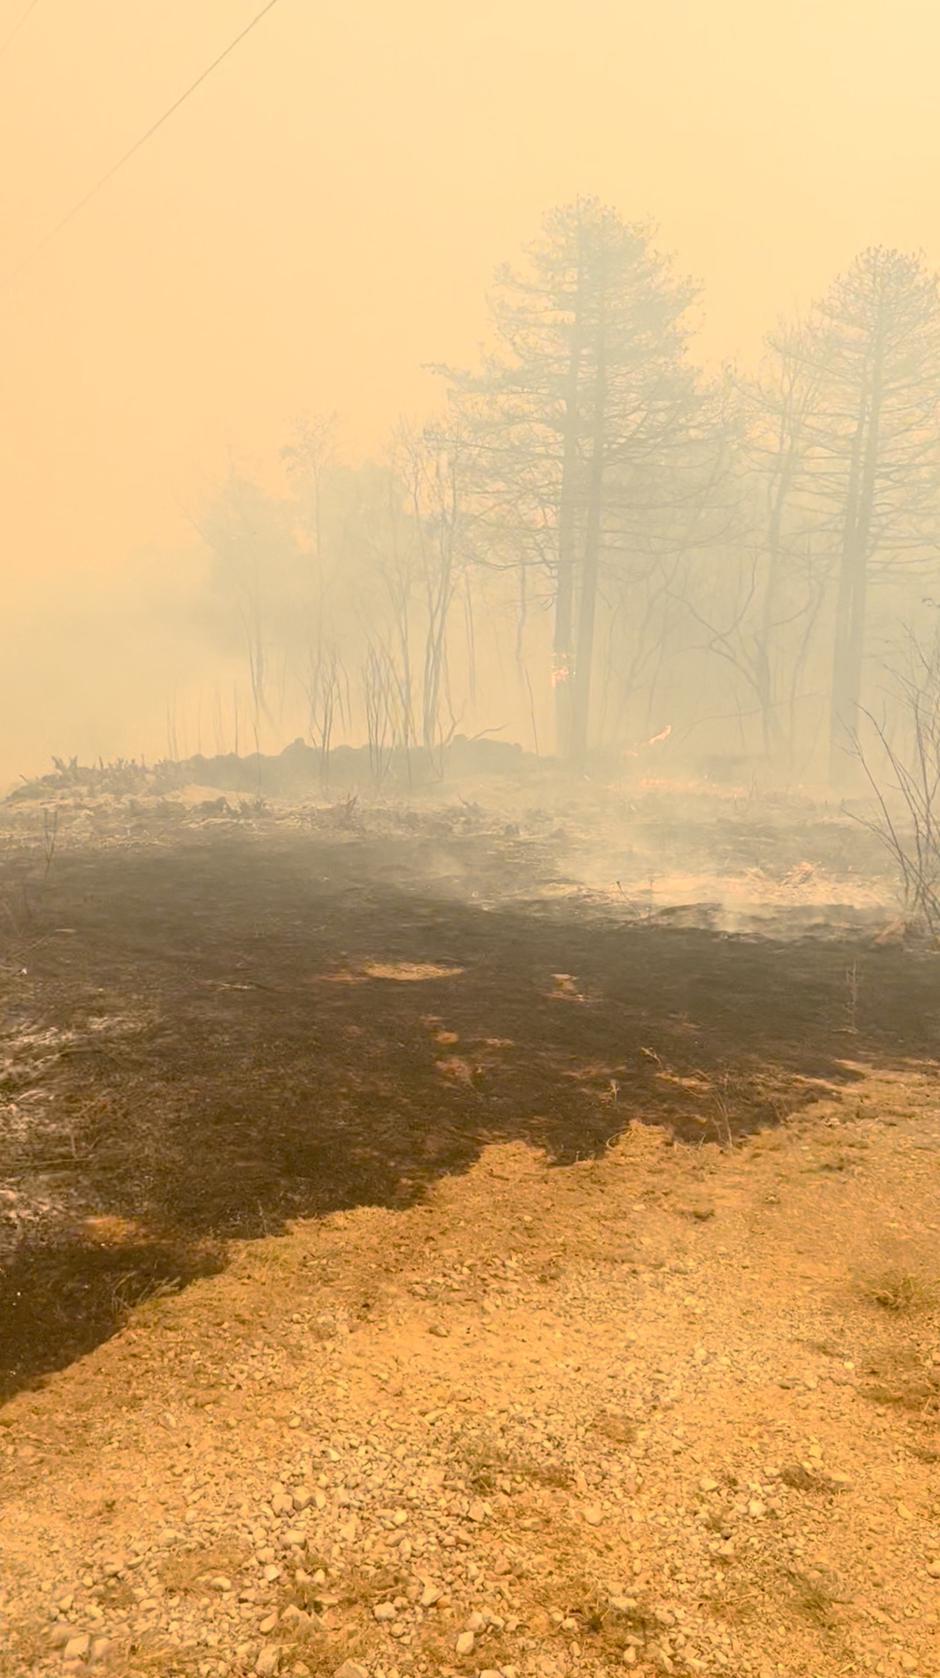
(207, 1036)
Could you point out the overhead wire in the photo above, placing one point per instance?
(11, 34)
(132, 150)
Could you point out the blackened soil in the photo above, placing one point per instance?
(234, 1031)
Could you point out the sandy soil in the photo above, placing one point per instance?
(666, 1410)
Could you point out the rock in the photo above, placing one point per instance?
(100, 1649)
(476, 1622)
(465, 1643)
(933, 1568)
(271, 1573)
(220, 1583)
(706, 1484)
(268, 1662)
(593, 1514)
(384, 1611)
(477, 1511)
(756, 1508)
(77, 1647)
(267, 1624)
(430, 1595)
(302, 1498)
(440, 1330)
(61, 1633)
(350, 1669)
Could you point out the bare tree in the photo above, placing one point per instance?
(590, 387)
(872, 350)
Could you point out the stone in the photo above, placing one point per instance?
(350, 1669)
(60, 1635)
(268, 1662)
(384, 1611)
(593, 1514)
(430, 1595)
(465, 1643)
(77, 1647)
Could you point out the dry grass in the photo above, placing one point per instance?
(613, 1624)
(802, 1479)
(190, 1570)
(486, 1461)
(614, 1425)
(816, 1598)
(900, 1291)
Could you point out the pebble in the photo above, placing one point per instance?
(350, 1669)
(268, 1662)
(430, 1595)
(77, 1647)
(593, 1514)
(933, 1568)
(384, 1611)
(465, 1643)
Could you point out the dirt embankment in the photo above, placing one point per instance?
(665, 1410)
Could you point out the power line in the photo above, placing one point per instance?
(108, 176)
(10, 37)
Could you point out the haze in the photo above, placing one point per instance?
(323, 219)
